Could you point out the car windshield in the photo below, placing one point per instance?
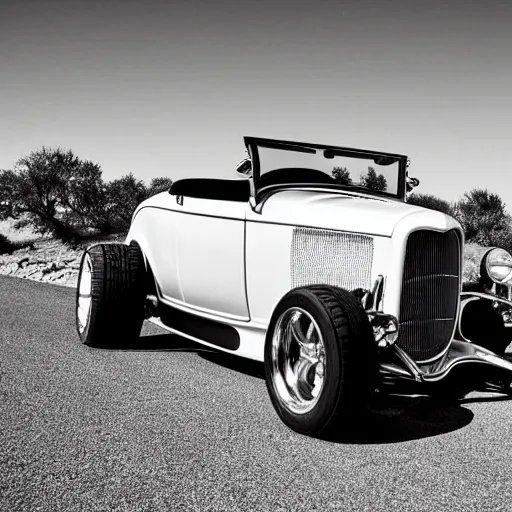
(278, 163)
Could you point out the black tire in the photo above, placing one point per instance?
(117, 295)
(483, 325)
(350, 360)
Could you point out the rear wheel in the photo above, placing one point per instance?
(320, 359)
(110, 295)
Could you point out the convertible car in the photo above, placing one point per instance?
(312, 262)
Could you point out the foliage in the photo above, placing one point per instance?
(157, 185)
(485, 219)
(342, 175)
(40, 189)
(119, 198)
(55, 192)
(431, 202)
(473, 254)
(124, 194)
(374, 181)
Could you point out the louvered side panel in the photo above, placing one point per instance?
(330, 257)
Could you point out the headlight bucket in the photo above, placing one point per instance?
(497, 266)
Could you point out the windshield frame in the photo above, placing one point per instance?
(253, 143)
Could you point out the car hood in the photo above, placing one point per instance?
(351, 213)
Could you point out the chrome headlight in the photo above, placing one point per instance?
(497, 264)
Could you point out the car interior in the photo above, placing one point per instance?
(210, 188)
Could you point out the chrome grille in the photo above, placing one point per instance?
(430, 293)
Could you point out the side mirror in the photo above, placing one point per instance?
(244, 168)
(412, 183)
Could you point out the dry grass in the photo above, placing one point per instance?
(472, 255)
(26, 236)
(18, 236)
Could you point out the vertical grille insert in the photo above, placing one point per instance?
(430, 293)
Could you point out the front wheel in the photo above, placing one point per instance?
(110, 295)
(320, 359)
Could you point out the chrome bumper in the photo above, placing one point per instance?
(460, 352)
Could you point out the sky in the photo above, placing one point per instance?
(169, 88)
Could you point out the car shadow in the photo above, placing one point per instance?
(235, 363)
(157, 343)
(174, 343)
(393, 419)
(399, 419)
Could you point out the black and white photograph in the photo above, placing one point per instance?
(255, 256)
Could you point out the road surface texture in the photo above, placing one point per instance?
(167, 425)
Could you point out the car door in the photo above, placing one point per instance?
(210, 239)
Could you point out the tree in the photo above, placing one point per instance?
(341, 175)
(124, 194)
(431, 202)
(40, 191)
(55, 192)
(157, 185)
(374, 181)
(484, 218)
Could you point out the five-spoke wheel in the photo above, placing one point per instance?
(298, 360)
(320, 359)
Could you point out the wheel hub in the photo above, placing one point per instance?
(298, 360)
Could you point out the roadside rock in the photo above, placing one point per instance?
(48, 261)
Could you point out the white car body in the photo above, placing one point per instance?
(224, 261)
(315, 265)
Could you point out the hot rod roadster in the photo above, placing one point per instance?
(312, 262)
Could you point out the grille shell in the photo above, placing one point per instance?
(430, 293)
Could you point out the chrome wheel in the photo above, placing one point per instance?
(83, 310)
(297, 360)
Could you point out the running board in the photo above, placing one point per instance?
(213, 332)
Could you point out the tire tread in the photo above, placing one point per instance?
(117, 309)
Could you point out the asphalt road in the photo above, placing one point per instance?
(167, 425)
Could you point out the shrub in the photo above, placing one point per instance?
(124, 194)
(485, 219)
(157, 185)
(431, 202)
(6, 246)
(120, 198)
